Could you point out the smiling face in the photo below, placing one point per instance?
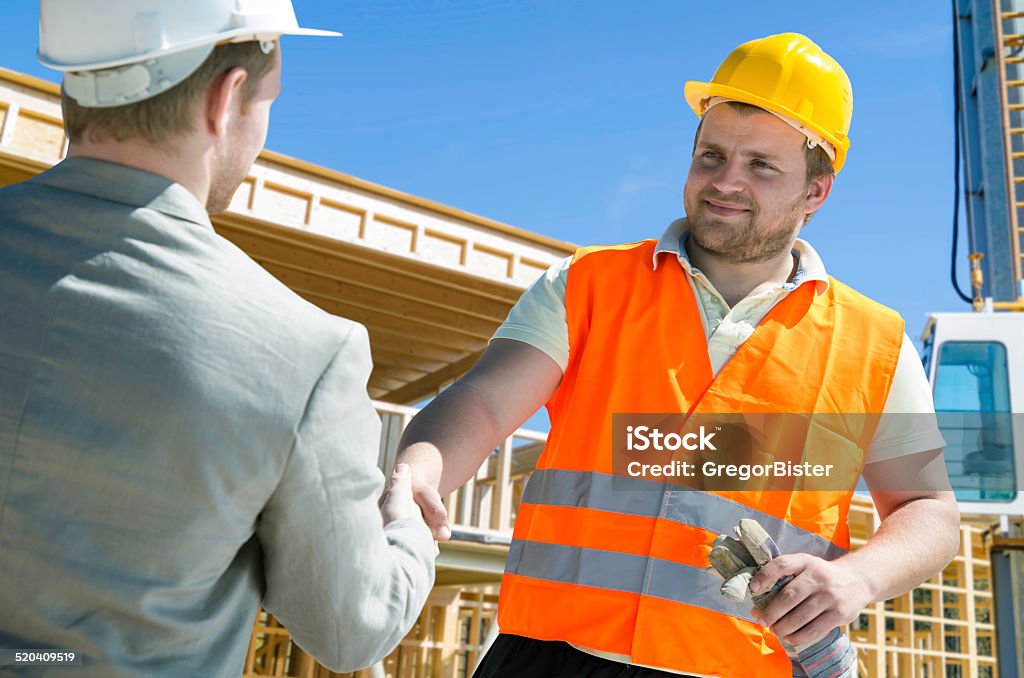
(747, 193)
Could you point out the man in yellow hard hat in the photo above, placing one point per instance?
(727, 313)
(182, 438)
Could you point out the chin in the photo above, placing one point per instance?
(709, 226)
(716, 237)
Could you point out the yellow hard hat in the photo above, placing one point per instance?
(790, 76)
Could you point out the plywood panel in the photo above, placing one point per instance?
(287, 206)
(490, 262)
(37, 134)
(528, 270)
(442, 249)
(337, 221)
(242, 199)
(391, 236)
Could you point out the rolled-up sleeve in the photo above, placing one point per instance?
(538, 318)
(347, 588)
(908, 424)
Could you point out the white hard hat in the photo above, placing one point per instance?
(116, 52)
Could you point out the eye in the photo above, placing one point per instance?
(762, 164)
(711, 155)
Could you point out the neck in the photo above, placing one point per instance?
(184, 162)
(736, 281)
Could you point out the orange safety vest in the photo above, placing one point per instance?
(622, 571)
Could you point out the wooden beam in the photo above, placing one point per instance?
(501, 511)
(16, 167)
(414, 200)
(402, 308)
(463, 560)
(376, 392)
(381, 381)
(237, 226)
(409, 345)
(403, 374)
(436, 334)
(275, 256)
(428, 385)
(385, 317)
(421, 363)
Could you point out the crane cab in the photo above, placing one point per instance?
(975, 363)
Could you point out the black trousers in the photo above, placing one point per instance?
(519, 657)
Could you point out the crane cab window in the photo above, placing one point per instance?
(972, 401)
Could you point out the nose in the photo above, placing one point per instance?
(728, 177)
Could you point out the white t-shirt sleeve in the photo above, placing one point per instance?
(907, 425)
(538, 318)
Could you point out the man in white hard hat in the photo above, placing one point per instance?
(181, 437)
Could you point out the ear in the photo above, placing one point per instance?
(817, 192)
(223, 99)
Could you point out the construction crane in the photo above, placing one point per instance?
(975, 359)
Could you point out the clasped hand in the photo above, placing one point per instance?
(823, 595)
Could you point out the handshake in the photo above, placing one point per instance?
(405, 498)
(737, 559)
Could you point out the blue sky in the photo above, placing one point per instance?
(567, 118)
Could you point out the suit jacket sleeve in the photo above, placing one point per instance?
(347, 588)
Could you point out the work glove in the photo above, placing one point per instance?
(737, 559)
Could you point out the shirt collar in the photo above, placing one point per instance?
(809, 265)
(125, 185)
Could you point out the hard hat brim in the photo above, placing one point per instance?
(696, 92)
(226, 36)
(314, 31)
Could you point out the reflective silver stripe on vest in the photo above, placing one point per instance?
(622, 572)
(640, 497)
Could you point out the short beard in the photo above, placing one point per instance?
(745, 244)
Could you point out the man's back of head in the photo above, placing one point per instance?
(182, 89)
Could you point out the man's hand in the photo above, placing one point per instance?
(429, 501)
(410, 493)
(397, 502)
(822, 596)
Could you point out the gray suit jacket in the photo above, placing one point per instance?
(181, 439)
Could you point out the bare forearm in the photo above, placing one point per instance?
(448, 441)
(914, 542)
